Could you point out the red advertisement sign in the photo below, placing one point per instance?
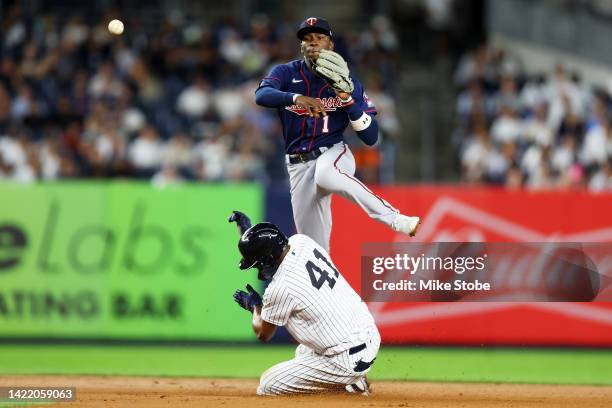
(460, 214)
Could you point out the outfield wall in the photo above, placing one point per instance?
(126, 261)
(122, 261)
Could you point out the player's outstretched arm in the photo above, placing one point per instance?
(271, 92)
(270, 97)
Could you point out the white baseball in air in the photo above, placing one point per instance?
(115, 27)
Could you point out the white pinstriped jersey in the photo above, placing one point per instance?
(314, 302)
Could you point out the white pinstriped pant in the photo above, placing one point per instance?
(312, 184)
(310, 372)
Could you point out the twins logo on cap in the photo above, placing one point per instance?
(314, 25)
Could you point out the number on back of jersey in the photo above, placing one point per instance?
(323, 274)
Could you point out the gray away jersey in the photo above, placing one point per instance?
(314, 302)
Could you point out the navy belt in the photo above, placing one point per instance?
(308, 156)
(304, 157)
(357, 349)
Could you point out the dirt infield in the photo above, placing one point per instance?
(100, 391)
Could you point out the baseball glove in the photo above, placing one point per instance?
(334, 69)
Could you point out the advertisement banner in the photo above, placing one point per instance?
(479, 214)
(486, 272)
(122, 260)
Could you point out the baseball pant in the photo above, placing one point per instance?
(310, 372)
(312, 184)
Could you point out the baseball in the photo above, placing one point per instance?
(115, 27)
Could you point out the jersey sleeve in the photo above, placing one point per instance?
(277, 78)
(278, 304)
(362, 100)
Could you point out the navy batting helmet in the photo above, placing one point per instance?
(261, 246)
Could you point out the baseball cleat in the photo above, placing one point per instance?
(360, 387)
(405, 224)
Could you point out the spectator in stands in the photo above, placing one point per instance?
(475, 156)
(535, 130)
(50, 158)
(545, 133)
(476, 65)
(473, 101)
(508, 95)
(178, 154)
(97, 105)
(602, 179)
(166, 176)
(597, 144)
(507, 127)
(145, 153)
(105, 84)
(212, 153)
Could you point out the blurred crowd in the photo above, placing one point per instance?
(547, 131)
(170, 103)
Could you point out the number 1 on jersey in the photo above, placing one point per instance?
(325, 124)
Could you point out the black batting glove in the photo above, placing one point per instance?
(249, 300)
(240, 218)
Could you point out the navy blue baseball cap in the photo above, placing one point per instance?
(314, 25)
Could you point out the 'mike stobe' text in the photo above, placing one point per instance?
(431, 285)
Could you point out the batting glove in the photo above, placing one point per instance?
(243, 221)
(249, 300)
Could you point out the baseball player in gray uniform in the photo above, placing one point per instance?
(316, 99)
(307, 294)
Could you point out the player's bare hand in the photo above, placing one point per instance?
(342, 94)
(312, 105)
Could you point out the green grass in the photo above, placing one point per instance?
(549, 366)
